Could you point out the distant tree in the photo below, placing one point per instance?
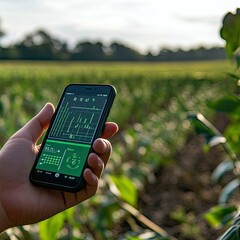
(200, 53)
(88, 51)
(120, 52)
(165, 54)
(2, 34)
(40, 45)
(149, 57)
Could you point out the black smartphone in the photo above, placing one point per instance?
(78, 120)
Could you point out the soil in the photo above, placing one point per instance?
(183, 192)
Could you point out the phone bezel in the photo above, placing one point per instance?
(60, 183)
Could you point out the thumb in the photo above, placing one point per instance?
(35, 127)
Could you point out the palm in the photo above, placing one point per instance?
(18, 197)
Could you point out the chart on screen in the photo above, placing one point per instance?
(77, 118)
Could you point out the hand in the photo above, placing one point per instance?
(21, 202)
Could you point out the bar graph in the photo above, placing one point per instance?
(77, 118)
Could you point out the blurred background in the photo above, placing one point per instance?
(166, 60)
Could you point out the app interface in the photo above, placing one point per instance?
(71, 135)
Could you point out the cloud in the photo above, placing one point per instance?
(141, 22)
(202, 19)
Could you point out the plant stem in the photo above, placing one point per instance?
(147, 222)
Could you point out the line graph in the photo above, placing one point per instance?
(77, 118)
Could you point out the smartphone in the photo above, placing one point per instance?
(78, 120)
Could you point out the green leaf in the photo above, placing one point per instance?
(230, 32)
(105, 217)
(124, 188)
(233, 75)
(133, 238)
(238, 58)
(228, 190)
(232, 133)
(221, 170)
(49, 228)
(218, 216)
(226, 104)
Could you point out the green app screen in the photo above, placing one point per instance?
(72, 133)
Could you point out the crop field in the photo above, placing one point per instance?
(151, 109)
(25, 87)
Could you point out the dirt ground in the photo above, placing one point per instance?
(183, 192)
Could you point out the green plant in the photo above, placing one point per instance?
(222, 214)
(148, 139)
(230, 32)
(188, 226)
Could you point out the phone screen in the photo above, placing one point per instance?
(78, 121)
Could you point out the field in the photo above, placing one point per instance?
(151, 110)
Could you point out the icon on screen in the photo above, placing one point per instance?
(57, 175)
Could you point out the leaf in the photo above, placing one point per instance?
(221, 170)
(237, 55)
(220, 215)
(105, 217)
(49, 228)
(228, 190)
(232, 133)
(124, 188)
(230, 32)
(233, 75)
(227, 104)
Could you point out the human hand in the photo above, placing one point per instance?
(23, 203)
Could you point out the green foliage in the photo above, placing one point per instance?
(228, 104)
(50, 228)
(152, 102)
(220, 215)
(124, 188)
(150, 108)
(189, 227)
(230, 32)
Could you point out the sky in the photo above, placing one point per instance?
(141, 24)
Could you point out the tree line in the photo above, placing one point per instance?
(40, 45)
